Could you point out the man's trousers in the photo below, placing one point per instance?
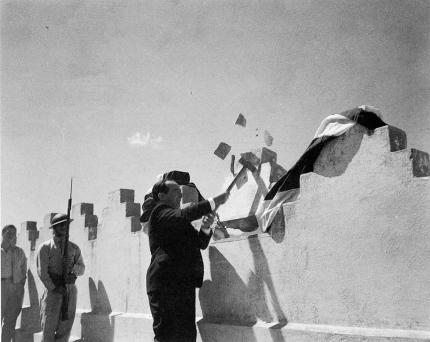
(12, 296)
(174, 315)
(50, 312)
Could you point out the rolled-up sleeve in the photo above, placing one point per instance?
(42, 261)
(79, 266)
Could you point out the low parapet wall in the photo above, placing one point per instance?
(347, 260)
(354, 249)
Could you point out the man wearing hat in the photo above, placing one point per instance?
(13, 276)
(60, 285)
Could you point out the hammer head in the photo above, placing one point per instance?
(249, 160)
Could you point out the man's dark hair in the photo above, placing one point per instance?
(158, 187)
(7, 228)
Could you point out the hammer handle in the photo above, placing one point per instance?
(236, 178)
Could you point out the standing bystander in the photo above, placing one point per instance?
(13, 276)
(60, 286)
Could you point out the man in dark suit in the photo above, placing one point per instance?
(176, 267)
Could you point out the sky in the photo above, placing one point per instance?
(114, 93)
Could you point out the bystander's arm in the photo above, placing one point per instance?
(42, 268)
(79, 266)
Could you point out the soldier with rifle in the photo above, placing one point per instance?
(59, 263)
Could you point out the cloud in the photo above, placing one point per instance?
(139, 140)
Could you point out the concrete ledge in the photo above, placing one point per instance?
(297, 332)
(77, 327)
(97, 327)
(135, 327)
(38, 338)
(131, 327)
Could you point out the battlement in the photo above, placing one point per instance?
(347, 260)
(350, 251)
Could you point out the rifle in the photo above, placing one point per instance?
(65, 304)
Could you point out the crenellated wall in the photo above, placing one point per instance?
(353, 252)
(347, 261)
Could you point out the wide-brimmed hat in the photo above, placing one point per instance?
(59, 218)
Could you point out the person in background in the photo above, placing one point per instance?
(13, 276)
(60, 286)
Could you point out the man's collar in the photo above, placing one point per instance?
(165, 204)
(57, 240)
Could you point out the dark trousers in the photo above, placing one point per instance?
(174, 315)
(12, 296)
(54, 329)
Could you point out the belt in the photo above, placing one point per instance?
(10, 279)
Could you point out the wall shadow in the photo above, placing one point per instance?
(32, 290)
(103, 299)
(96, 324)
(338, 153)
(332, 161)
(30, 315)
(262, 273)
(277, 227)
(223, 302)
(234, 302)
(93, 295)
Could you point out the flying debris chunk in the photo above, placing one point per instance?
(249, 158)
(267, 156)
(276, 173)
(233, 158)
(222, 150)
(268, 139)
(241, 121)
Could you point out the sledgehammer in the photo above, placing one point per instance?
(249, 162)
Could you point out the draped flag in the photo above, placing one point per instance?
(287, 188)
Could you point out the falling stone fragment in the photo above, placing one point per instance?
(222, 150)
(268, 139)
(241, 121)
(233, 158)
(249, 158)
(267, 156)
(276, 173)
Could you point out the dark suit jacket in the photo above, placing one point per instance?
(176, 262)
